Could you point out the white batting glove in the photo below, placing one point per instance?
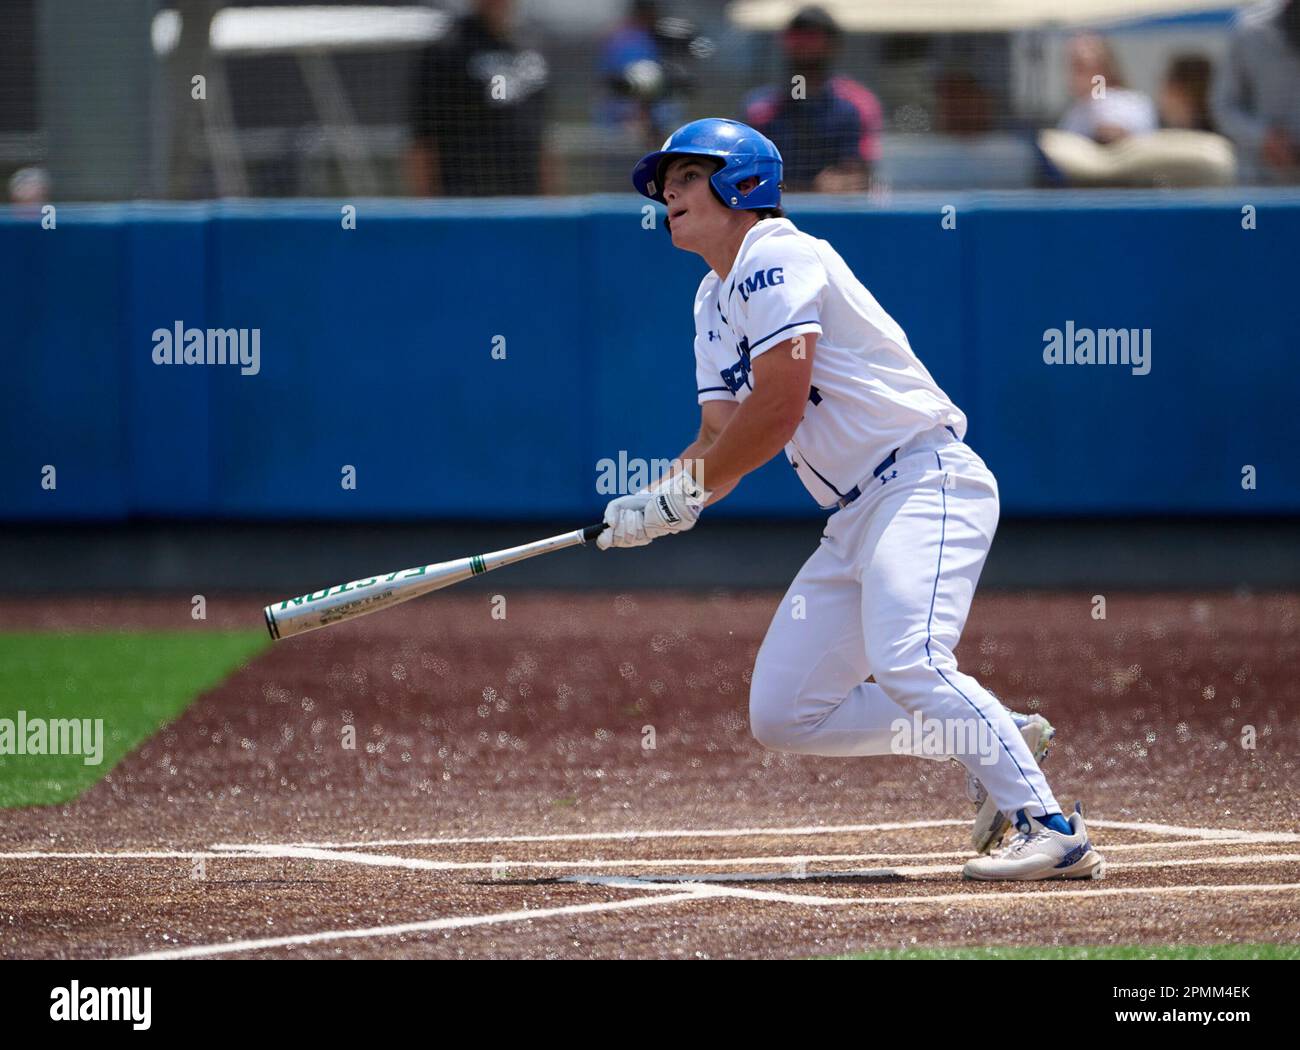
(674, 506)
(626, 522)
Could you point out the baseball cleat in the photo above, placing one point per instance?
(1038, 853)
(991, 823)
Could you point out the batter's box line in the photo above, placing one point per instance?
(502, 867)
(1165, 830)
(271, 851)
(1045, 894)
(676, 895)
(903, 871)
(253, 851)
(649, 899)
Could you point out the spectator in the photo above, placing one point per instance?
(477, 111)
(1104, 110)
(964, 106)
(827, 127)
(29, 186)
(1256, 96)
(645, 66)
(1185, 95)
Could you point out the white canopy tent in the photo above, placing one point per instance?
(313, 36)
(965, 16)
(1036, 28)
(263, 30)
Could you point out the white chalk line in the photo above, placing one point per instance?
(426, 926)
(666, 891)
(268, 852)
(692, 894)
(1199, 835)
(1052, 893)
(913, 870)
(819, 829)
(1208, 837)
(134, 855)
(502, 865)
(1206, 833)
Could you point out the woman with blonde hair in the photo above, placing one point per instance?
(1104, 109)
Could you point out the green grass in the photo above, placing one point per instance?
(135, 681)
(1117, 951)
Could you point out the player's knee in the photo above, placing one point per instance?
(769, 726)
(774, 733)
(771, 710)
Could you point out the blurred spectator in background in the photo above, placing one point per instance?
(907, 87)
(963, 106)
(1104, 110)
(646, 70)
(477, 111)
(29, 186)
(1256, 98)
(827, 127)
(1185, 94)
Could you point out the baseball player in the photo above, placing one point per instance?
(793, 353)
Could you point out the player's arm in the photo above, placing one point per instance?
(754, 431)
(624, 515)
(758, 428)
(714, 417)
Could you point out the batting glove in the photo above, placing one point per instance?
(626, 522)
(674, 506)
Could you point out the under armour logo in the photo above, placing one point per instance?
(887, 477)
(713, 335)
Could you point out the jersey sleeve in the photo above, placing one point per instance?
(777, 293)
(709, 385)
(708, 380)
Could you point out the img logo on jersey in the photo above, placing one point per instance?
(760, 279)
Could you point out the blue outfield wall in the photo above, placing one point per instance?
(376, 352)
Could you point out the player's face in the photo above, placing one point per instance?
(696, 216)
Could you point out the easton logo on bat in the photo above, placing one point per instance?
(336, 604)
(354, 608)
(343, 588)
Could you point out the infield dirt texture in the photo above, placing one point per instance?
(578, 780)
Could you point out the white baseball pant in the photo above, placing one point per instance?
(886, 595)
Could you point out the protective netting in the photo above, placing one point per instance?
(112, 99)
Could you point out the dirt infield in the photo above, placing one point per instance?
(503, 796)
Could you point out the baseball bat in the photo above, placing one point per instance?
(349, 600)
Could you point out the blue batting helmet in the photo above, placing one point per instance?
(743, 151)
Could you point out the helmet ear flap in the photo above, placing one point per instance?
(720, 190)
(736, 149)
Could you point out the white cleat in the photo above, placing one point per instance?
(1041, 853)
(991, 823)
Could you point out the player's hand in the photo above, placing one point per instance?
(626, 520)
(674, 506)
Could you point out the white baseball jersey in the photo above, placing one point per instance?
(869, 394)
